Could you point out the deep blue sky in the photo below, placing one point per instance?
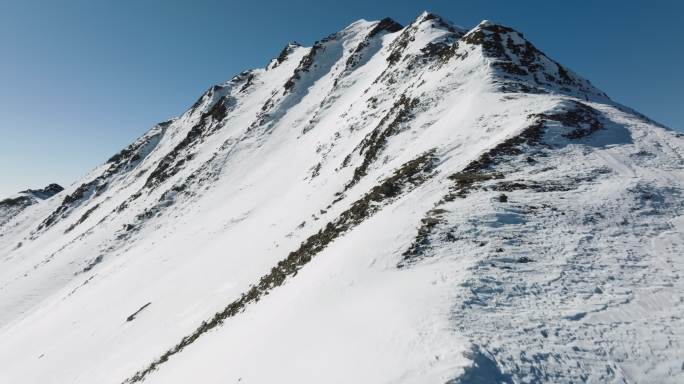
(80, 79)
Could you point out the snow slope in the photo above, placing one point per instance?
(391, 205)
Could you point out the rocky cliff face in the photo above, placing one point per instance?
(404, 204)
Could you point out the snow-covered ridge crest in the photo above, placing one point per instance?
(373, 208)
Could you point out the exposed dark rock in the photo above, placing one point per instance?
(20, 201)
(489, 37)
(123, 161)
(538, 186)
(134, 314)
(441, 49)
(45, 193)
(83, 218)
(407, 177)
(421, 242)
(284, 54)
(467, 180)
(316, 170)
(399, 45)
(437, 21)
(579, 116)
(208, 123)
(248, 82)
(134, 153)
(93, 263)
(522, 66)
(307, 62)
(207, 95)
(385, 25)
(480, 170)
(582, 118)
(219, 110)
(375, 142)
(84, 191)
(471, 177)
(13, 206)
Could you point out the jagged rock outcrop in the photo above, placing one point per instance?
(12, 206)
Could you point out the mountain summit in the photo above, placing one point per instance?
(394, 204)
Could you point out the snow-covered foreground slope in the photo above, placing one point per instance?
(395, 204)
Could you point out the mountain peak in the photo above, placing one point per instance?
(460, 192)
(486, 23)
(425, 16)
(283, 55)
(387, 24)
(520, 66)
(436, 21)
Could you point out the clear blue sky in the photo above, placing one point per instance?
(80, 79)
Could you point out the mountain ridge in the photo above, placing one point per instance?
(404, 172)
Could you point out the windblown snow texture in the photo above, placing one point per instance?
(418, 204)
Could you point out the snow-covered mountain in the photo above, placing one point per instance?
(418, 204)
(13, 205)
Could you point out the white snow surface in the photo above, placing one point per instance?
(573, 275)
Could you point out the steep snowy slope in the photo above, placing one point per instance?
(394, 204)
